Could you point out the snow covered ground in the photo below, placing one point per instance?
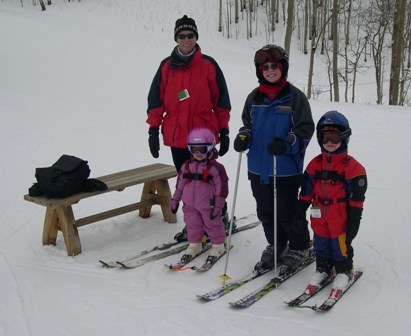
(74, 79)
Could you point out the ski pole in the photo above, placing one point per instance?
(225, 276)
(275, 213)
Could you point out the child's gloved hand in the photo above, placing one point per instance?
(353, 224)
(174, 204)
(217, 207)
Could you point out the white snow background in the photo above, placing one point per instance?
(74, 80)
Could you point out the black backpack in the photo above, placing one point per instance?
(65, 177)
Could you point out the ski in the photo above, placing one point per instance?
(137, 262)
(210, 262)
(228, 288)
(335, 296)
(140, 254)
(180, 266)
(309, 292)
(275, 282)
(134, 263)
(166, 246)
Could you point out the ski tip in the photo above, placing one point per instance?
(290, 304)
(237, 305)
(180, 269)
(203, 298)
(103, 263)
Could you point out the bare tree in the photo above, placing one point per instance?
(290, 25)
(335, 50)
(397, 48)
(220, 16)
(236, 13)
(272, 16)
(347, 26)
(314, 45)
(376, 25)
(306, 25)
(406, 66)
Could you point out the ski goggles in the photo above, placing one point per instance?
(267, 66)
(201, 149)
(268, 53)
(333, 136)
(184, 36)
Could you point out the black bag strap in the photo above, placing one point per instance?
(68, 163)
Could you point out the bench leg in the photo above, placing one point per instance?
(164, 198)
(69, 229)
(51, 227)
(62, 219)
(161, 190)
(147, 194)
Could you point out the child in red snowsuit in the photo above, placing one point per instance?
(334, 185)
(202, 185)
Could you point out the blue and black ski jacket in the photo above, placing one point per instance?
(287, 114)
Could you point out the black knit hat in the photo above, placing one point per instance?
(185, 23)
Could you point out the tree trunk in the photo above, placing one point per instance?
(397, 51)
(290, 24)
(220, 16)
(335, 50)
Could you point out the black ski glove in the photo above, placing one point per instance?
(300, 223)
(353, 224)
(278, 146)
(242, 141)
(224, 141)
(153, 141)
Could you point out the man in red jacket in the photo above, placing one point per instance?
(188, 91)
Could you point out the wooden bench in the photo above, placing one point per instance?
(60, 216)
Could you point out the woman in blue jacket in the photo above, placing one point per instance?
(277, 121)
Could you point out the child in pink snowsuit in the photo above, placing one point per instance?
(202, 184)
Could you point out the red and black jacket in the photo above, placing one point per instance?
(208, 104)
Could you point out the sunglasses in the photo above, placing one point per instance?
(202, 149)
(269, 53)
(334, 137)
(183, 36)
(266, 67)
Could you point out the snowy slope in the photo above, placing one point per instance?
(74, 79)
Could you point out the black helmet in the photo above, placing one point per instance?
(271, 53)
(337, 120)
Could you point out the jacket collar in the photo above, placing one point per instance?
(177, 62)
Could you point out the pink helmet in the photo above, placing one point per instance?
(201, 136)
